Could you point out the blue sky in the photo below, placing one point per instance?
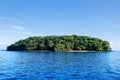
(20, 19)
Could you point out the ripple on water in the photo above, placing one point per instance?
(59, 66)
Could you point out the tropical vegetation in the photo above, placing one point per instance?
(60, 43)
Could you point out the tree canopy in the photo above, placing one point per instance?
(60, 43)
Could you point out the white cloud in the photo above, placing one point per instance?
(22, 31)
(17, 27)
(9, 19)
(115, 45)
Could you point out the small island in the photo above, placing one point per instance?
(63, 43)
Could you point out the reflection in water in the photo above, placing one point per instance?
(59, 66)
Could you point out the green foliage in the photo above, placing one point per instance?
(59, 47)
(61, 43)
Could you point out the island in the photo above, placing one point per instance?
(64, 43)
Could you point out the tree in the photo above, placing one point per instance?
(60, 43)
(60, 47)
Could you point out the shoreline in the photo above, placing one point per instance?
(76, 51)
(87, 51)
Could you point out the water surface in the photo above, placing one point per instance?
(59, 66)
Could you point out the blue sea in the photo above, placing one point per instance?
(59, 66)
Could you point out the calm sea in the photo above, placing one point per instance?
(59, 66)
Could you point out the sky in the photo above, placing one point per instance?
(20, 19)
